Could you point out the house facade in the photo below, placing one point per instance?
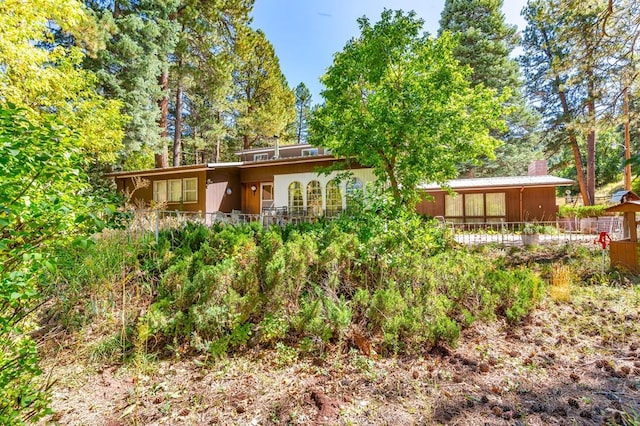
(291, 179)
(265, 179)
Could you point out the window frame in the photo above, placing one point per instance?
(261, 157)
(186, 191)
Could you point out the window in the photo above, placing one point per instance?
(314, 198)
(496, 204)
(334, 198)
(309, 152)
(160, 191)
(296, 204)
(260, 157)
(354, 185)
(477, 208)
(453, 206)
(474, 205)
(176, 190)
(266, 195)
(190, 190)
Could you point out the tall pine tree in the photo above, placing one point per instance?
(141, 36)
(303, 112)
(485, 44)
(264, 104)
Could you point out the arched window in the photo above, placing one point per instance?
(354, 185)
(334, 198)
(296, 204)
(314, 198)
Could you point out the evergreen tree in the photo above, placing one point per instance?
(264, 105)
(569, 66)
(485, 44)
(303, 112)
(141, 36)
(202, 69)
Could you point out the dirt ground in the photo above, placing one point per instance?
(570, 363)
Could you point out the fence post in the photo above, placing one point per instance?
(157, 226)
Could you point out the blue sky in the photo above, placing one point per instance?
(306, 33)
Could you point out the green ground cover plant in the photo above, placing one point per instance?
(215, 290)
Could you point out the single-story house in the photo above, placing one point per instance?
(289, 178)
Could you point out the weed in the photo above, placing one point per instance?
(561, 281)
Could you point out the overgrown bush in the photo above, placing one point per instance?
(220, 289)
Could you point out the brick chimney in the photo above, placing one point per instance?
(538, 168)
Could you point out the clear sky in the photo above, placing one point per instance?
(306, 33)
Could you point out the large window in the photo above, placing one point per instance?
(334, 198)
(476, 207)
(296, 203)
(176, 190)
(314, 198)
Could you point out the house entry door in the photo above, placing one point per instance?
(266, 195)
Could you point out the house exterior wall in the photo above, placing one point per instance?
(217, 199)
(538, 203)
(286, 151)
(144, 196)
(282, 182)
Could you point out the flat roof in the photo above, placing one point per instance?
(499, 182)
(272, 148)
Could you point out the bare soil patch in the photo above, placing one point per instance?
(568, 363)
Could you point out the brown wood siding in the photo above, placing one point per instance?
(144, 196)
(432, 207)
(624, 254)
(217, 197)
(537, 203)
(251, 199)
(266, 173)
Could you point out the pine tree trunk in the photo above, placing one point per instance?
(177, 135)
(577, 158)
(162, 158)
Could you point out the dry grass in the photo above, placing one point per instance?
(561, 282)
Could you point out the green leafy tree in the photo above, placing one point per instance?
(485, 43)
(43, 77)
(303, 112)
(264, 104)
(397, 100)
(44, 201)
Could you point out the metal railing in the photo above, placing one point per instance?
(560, 231)
(504, 233)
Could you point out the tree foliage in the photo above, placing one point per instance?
(303, 112)
(397, 100)
(139, 37)
(575, 71)
(264, 104)
(44, 77)
(44, 202)
(485, 43)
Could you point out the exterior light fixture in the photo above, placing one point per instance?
(228, 191)
(254, 188)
